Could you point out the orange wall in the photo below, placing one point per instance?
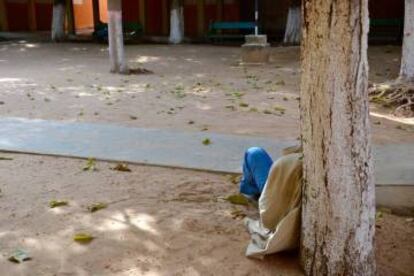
(83, 14)
(103, 10)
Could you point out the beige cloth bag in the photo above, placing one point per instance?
(279, 206)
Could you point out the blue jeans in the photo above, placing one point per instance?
(256, 167)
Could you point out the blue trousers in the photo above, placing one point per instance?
(256, 167)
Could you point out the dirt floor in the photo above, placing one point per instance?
(159, 221)
(194, 87)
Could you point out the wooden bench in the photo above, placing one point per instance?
(215, 30)
(386, 28)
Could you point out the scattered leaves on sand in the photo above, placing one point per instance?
(279, 109)
(96, 207)
(57, 203)
(83, 238)
(178, 92)
(206, 142)
(19, 256)
(238, 199)
(122, 167)
(231, 107)
(237, 214)
(235, 179)
(2, 158)
(280, 82)
(139, 71)
(238, 95)
(378, 215)
(90, 165)
(406, 128)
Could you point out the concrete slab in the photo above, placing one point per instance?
(394, 164)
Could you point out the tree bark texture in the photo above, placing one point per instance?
(338, 204)
(58, 20)
(407, 59)
(293, 30)
(116, 37)
(176, 22)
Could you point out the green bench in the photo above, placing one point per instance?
(386, 28)
(234, 30)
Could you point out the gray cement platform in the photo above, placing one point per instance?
(394, 164)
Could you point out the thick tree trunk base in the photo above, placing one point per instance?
(397, 95)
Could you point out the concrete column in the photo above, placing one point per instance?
(32, 16)
(4, 24)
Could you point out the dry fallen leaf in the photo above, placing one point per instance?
(90, 165)
(235, 179)
(83, 238)
(206, 142)
(57, 203)
(96, 207)
(236, 214)
(19, 256)
(6, 158)
(237, 199)
(122, 167)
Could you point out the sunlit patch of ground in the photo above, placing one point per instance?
(158, 221)
(193, 88)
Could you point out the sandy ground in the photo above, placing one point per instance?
(191, 83)
(159, 221)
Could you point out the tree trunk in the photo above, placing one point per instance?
(293, 29)
(407, 59)
(338, 204)
(58, 20)
(176, 22)
(115, 37)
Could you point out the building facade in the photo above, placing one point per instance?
(153, 15)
